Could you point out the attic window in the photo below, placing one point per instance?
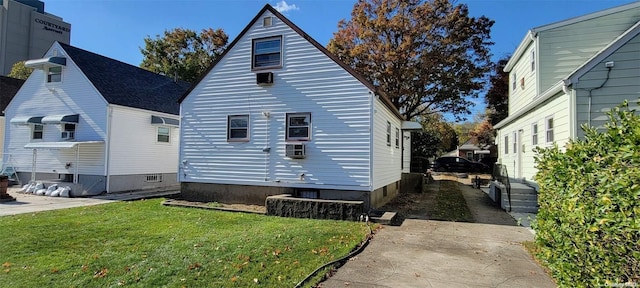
(54, 74)
(267, 53)
(266, 21)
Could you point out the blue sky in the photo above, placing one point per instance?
(116, 28)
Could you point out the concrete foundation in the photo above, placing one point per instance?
(123, 183)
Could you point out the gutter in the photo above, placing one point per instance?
(546, 95)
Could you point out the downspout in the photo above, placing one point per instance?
(572, 109)
(107, 148)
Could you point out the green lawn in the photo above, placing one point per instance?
(145, 244)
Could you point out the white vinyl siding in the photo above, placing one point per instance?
(558, 106)
(569, 46)
(134, 148)
(339, 155)
(523, 88)
(623, 85)
(35, 99)
(386, 159)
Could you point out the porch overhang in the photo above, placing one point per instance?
(58, 145)
(159, 120)
(46, 62)
(60, 119)
(26, 120)
(411, 126)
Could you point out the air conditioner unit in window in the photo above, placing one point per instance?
(67, 135)
(264, 78)
(295, 151)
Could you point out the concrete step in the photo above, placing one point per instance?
(386, 218)
(524, 209)
(524, 197)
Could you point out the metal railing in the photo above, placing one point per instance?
(501, 175)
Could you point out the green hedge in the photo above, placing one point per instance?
(588, 225)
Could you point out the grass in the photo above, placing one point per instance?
(145, 244)
(450, 204)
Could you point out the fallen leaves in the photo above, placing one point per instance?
(101, 273)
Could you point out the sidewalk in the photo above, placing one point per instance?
(29, 203)
(427, 253)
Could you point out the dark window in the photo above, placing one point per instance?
(267, 52)
(298, 126)
(37, 131)
(238, 127)
(164, 134)
(54, 74)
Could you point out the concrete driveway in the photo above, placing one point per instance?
(429, 253)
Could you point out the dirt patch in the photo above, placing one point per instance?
(217, 206)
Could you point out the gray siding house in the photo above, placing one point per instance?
(564, 75)
(277, 113)
(93, 123)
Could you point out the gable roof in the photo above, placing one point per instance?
(533, 33)
(127, 85)
(304, 35)
(603, 54)
(8, 88)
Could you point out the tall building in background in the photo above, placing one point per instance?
(26, 31)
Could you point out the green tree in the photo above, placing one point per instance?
(20, 71)
(497, 98)
(436, 138)
(427, 56)
(183, 53)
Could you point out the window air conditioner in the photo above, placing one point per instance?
(295, 151)
(264, 78)
(67, 134)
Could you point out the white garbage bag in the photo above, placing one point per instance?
(56, 192)
(25, 188)
(65, 192)
(41, 192)
(50, 190)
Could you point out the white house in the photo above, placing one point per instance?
(95, 123)
(566, 74)
(277, 113)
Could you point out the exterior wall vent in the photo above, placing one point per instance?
(264, 78)
(295, 151)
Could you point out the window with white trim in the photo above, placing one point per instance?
(533, 60)
(267, 53)
(298, 126)
(164, 134)
(549, 129)
(397, 138)
(54, 74)
(515, 142)
(37, 130)
(506, 144)
(238, 127)
(68, 131)
(388, 133)
(514, 81)
(534, 134)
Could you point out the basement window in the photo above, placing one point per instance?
(156, 177)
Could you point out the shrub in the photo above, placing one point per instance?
(588, 224)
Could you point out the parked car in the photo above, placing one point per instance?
(459, 164)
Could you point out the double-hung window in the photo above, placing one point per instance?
(298, 126)
(267, 53)
(514, 81)
(549, 129)
(388, 133)
(515, 142)
(506, 144)
(68, 131)
(397, 138)
(54, 74)
(37, 131)
(238, 128)
(164, 134)
(534, 134)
